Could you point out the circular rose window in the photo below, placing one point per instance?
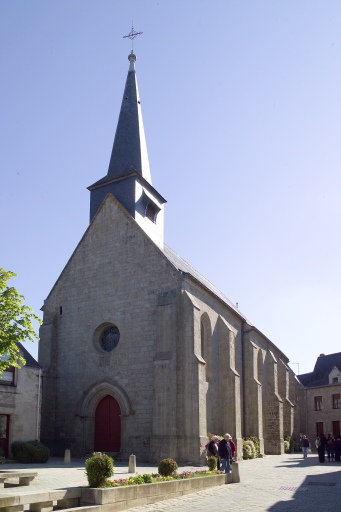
(109, 338)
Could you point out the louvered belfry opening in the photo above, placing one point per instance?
(151, 212)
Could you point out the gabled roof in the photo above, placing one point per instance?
(323, 366)
(184, 267)
(30, 361)
(193, 274)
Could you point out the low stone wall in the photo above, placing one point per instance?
(116, 499)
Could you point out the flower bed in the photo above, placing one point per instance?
(124, 496)
(156, 478)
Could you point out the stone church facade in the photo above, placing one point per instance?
(140, 353)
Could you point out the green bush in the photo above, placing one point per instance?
(29, 452)
(287, 446)
(294, 444)
(167, 467)
(212, 463)
(256, 443)
(135, 480)
(99, 467)
(148, 479)
(249, 450)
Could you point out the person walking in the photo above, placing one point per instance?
(225, 454)
(305, 445)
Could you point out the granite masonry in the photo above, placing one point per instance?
(140, 353)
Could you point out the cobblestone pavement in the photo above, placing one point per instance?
(278, 483)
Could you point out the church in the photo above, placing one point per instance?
(140, 353)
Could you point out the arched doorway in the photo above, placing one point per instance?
(107, 426)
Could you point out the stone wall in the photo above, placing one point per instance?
(22, 403)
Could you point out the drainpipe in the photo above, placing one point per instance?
(306, 411)
(38, 407)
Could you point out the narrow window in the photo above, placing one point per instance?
(335, 380)
(60, 310)
(7, 377)
(336, 401)
(318, 403)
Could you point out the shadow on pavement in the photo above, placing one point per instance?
(315, 493)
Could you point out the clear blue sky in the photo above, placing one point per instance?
(242, 113)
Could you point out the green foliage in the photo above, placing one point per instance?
(167, 467)
(286, 446)
(15, 323)
(256, 444)
(135, 480)
(294, 444)
(148, 479)
(99, 467)
(249, 450)
(30, 451)
(212, 463)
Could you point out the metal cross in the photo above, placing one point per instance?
(132, 34)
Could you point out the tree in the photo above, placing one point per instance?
(15, 323)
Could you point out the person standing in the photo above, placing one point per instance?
(225, 454)
(212, 449)
(305, 445)
(330, 447)
(321, 447)
(337, 448)
(233, 448)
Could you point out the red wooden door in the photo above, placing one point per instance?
(108, 425)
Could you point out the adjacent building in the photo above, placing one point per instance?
(20, 402)
(140, 353)
(322, 396)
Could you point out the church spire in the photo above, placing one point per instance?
(128, 178)
(129, 150)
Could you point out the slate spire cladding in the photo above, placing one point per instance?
(130, 148)
(128, 177)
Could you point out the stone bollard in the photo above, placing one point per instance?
(132, 464)
(235, 473)
(67, 456)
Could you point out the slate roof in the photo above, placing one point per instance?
(323, 366)
(130, 148)
(30, 361)
(184, 267)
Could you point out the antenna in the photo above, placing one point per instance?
(132, 34)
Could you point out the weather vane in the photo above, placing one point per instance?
(132, 34)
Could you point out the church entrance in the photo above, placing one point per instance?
(107, 426)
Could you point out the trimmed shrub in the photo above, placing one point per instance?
(249, 450)
(30, 451)
(167, 467)
(212, 463)
(99, 467)
(287, 446)
(256, 444)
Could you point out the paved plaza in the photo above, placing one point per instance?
(279, 483)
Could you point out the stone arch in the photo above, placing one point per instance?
(206, 345)
(87, 408)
